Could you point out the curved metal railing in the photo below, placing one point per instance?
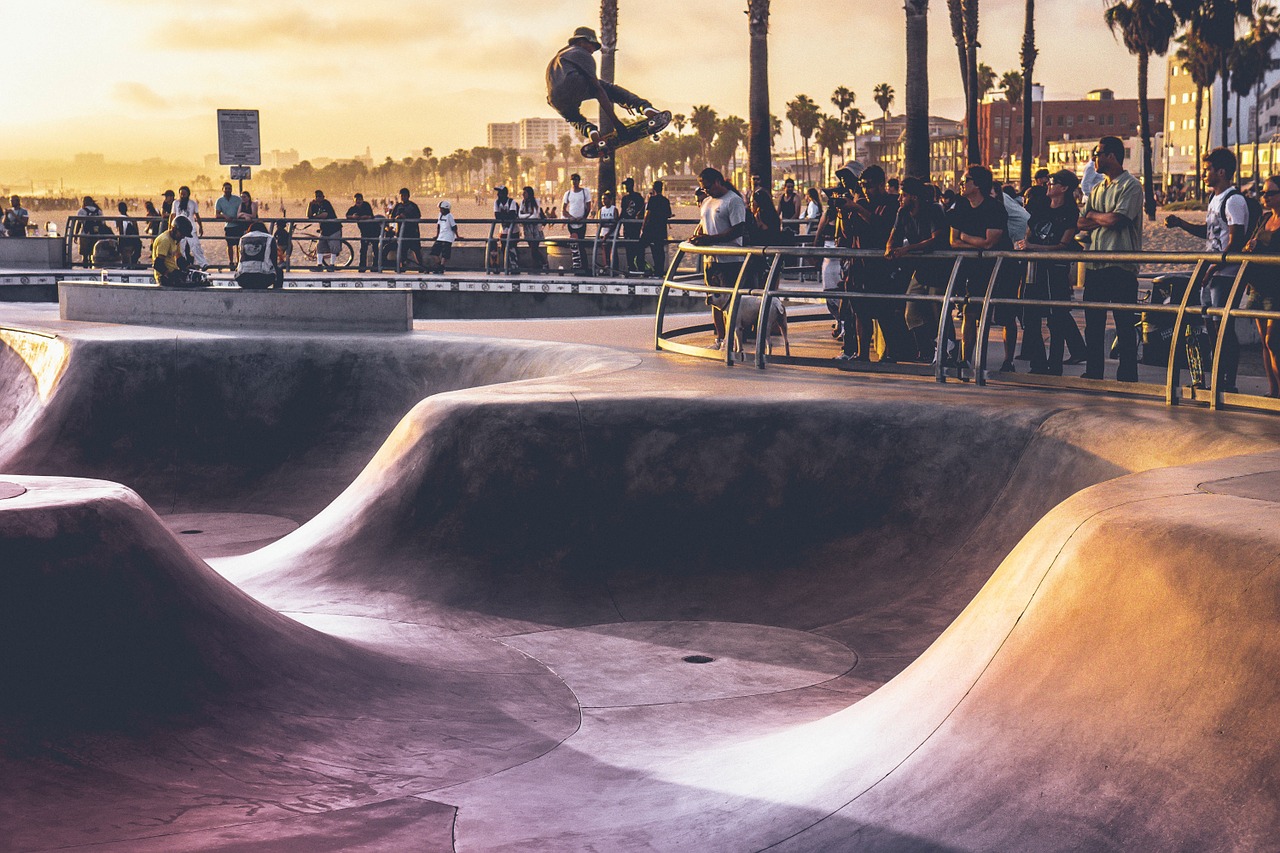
(765, 279)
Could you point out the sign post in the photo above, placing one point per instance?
(239, 142)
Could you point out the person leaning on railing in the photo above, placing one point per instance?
(1112, 218)
(921, 226)
(978, 221)
(1264, 281)
(1053, 227)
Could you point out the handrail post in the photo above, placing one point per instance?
(731, 316)
(984, 318)
(944, 320)
(1171, 395)
(663, 290)
(766, 301)
(1215, 392)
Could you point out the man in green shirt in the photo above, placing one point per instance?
(1112, 218)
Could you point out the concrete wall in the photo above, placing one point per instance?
(41, 253)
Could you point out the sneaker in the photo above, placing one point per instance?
(1090, 375)
(719, 344)
(1007, 367)
(846, 357)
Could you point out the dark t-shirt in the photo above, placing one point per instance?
(407, 210)
(323, 208)
(989, 215)
(874, 233)
(930, 219)
(631, 206)
(368, 228)
(658, 213)
(1048, 224)
(789, 208)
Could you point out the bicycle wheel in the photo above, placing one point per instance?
(346, 255)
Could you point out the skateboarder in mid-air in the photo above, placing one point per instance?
(571, 79)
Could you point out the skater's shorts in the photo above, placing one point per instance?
(442, 249)
(1261, 298)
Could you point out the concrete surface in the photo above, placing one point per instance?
(232, 308)
(33, 253)
(935, 618)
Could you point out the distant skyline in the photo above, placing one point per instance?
(134, 80)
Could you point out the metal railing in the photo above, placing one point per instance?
(765, 279)
(500, 256)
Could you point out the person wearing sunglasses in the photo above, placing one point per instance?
(1113, 219)
(1263, 293)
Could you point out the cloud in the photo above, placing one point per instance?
(134, 94)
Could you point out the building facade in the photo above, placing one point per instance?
(529, 136)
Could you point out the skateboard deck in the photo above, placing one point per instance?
(626, 135)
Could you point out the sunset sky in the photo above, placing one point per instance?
(137, 78)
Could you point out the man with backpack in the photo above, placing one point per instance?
(1227, 226)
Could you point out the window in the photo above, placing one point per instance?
(1070, 123)
(1173, 125)
(1186, 97)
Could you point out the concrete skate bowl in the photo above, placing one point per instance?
(508, 612)
(270, 423)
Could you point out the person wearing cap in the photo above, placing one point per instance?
(1052, 228)
(837, 229)
(506, 210)
(168, 261)
(446, 234)
(919, 227)
(1037, 193)
(410, 236)
(875, 214)
(572, 79)
(362, 212)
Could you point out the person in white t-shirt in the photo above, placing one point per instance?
(605, 231)
(577, 207)
(188, 208)
(1225, 229)
(446, 234)
(722, 222)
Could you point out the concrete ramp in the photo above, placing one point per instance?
(623, 607)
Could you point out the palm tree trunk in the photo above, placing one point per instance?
(1257, 130)
(760, 135)
(916, 153)
(608, 171)
(1028, 69)
(1224, 74)
(971, 71)
(1199, 111)
(1144, 130)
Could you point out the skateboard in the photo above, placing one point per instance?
(627, 134)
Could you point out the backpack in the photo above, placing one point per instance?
(1255, 210)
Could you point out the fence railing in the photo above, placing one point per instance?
(395, 241)
(762, 272)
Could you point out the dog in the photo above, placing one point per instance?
(748, 315)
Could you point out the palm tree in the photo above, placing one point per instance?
(731, 132)
(832, 135)
(802, 112)
(853, 119)
(1264, 35)
(987, 79)
(607, 170)
(1011, 83)
(1214, 25)
(1146, 28)
(760, 140)
(566, 149)
(972, 92)
(916, 153)
(1028, 56)
(883, 96)
(705, 123)
(550, 150)
(1200, 60)
(678, 121)
(842, 98)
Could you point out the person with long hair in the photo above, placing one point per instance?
(1264, 281)
(1052, 228)
(531, 219)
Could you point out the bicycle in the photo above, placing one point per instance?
(308, 241)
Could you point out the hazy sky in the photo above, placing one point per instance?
(142, 78)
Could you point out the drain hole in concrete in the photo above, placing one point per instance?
(189, 532)
(697, 659)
